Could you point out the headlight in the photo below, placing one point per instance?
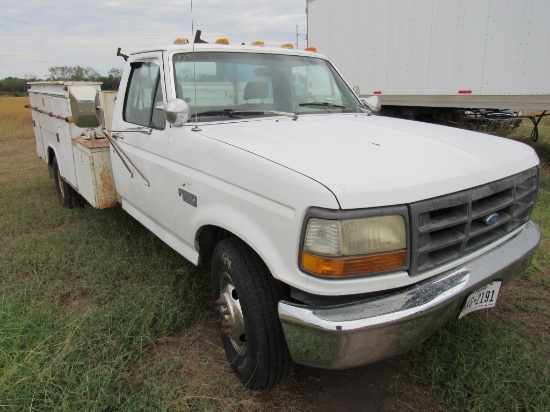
(355, 246)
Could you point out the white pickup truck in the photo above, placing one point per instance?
(336, 237)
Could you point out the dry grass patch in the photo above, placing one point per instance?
(194, 363)
(15, 119)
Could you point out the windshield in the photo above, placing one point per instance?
(238, 85)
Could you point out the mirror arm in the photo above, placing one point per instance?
(141, 129)
(123, 155)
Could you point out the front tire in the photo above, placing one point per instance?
(246, 297)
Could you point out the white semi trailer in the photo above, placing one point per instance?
(453, 60)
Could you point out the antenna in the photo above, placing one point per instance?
(198, 35)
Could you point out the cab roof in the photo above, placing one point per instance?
(201, 47)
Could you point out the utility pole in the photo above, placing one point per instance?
(298, 34)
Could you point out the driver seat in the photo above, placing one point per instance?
(255, 90)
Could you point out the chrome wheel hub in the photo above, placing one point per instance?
(231, 315)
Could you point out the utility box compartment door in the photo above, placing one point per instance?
(92, 160)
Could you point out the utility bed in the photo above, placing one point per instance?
(83, 155)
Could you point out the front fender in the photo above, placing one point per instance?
(273, 235)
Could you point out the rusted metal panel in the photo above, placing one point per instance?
(95, 176)
(92, 143)
(106, 189)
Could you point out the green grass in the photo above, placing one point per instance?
(542, 145)
(84, 293)
(484, 365)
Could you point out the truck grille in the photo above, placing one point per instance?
(448, 227)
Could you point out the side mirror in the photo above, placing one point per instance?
(176, 112)
(373, 103)
(84, 102)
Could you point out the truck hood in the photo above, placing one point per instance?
(371, 161)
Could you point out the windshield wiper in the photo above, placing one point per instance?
(327, 105)
(232, 113)
(229, 113)
(323, 104)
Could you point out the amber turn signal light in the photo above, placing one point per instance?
(349, 266)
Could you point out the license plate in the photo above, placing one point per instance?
(484, 297)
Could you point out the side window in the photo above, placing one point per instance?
(144, 93)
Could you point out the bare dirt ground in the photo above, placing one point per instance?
(380, 387)
(383, 386)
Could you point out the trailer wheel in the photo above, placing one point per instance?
(246, 299)
(67, 195)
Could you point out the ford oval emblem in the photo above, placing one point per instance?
(492, 219)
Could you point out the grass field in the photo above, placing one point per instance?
(98, 314)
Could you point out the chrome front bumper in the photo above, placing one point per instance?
(349, 335)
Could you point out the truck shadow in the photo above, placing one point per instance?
(382, 386)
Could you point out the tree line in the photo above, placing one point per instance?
(16, 86)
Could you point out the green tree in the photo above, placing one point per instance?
(18, 86)
(114, 72)
(76, 73)
(30, 77)
(112, 81)
(13, 86)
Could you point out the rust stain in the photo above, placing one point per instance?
(107, 195)
(93, 144)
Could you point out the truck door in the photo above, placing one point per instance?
(142, 133)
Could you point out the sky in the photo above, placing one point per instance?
(38, 34)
